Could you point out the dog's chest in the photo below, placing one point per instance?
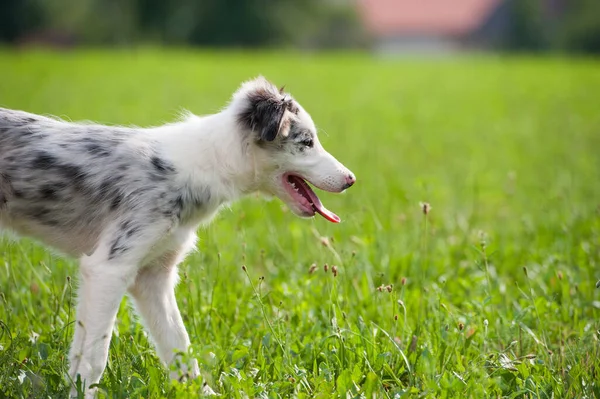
(179, 241)
(182, 237)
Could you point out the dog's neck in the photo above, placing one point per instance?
(211, 152)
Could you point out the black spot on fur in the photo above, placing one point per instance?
(125, 225)
(72, 173)
(48, 192)
(97, 150)
(39, 213)
(6, 190)
(50, 222)
(178, 202)
(132, 231)
(161, 165)
(116, 202)
(174, 207)
(156, 177)
(105, 187)
(201, 197)
(117, 247)
(43, 160)
(298, 133)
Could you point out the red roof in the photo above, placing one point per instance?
(411, 17)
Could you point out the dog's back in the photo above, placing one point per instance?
(61, 182)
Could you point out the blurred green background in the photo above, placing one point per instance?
(507, 25)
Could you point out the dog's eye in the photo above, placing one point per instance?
(308, 143)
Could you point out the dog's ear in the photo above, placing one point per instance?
(264, 110)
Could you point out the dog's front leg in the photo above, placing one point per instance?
(105, 277)
(103, 284)
(154, 296)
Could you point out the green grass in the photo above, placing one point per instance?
(493, 293)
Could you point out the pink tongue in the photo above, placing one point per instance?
(326, 213)
(317, 205)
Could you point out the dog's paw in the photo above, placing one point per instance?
(186, 372)
(208, 391)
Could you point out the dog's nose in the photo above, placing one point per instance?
(350, 180)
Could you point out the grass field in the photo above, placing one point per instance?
(491, 294)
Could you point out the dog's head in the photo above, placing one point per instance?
(286, 150)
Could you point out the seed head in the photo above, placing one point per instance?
(560, 275)
(334, 270)
(312, 268)
(485, 323)
(482, 241)
(425, 207)
(525, 270)
(381, 288)
(396, 317)
(389, 288)
(68, 279)
(413, 344)
(403, 281)
(325, 267)
(244, 268)
(325, 242)
(461, 326)
(34, 288)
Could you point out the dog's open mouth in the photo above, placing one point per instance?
(306, 198)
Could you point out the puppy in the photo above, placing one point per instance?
(128, 201)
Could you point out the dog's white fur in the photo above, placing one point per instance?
(217, 158)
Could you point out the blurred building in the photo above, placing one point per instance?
(436, 26)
